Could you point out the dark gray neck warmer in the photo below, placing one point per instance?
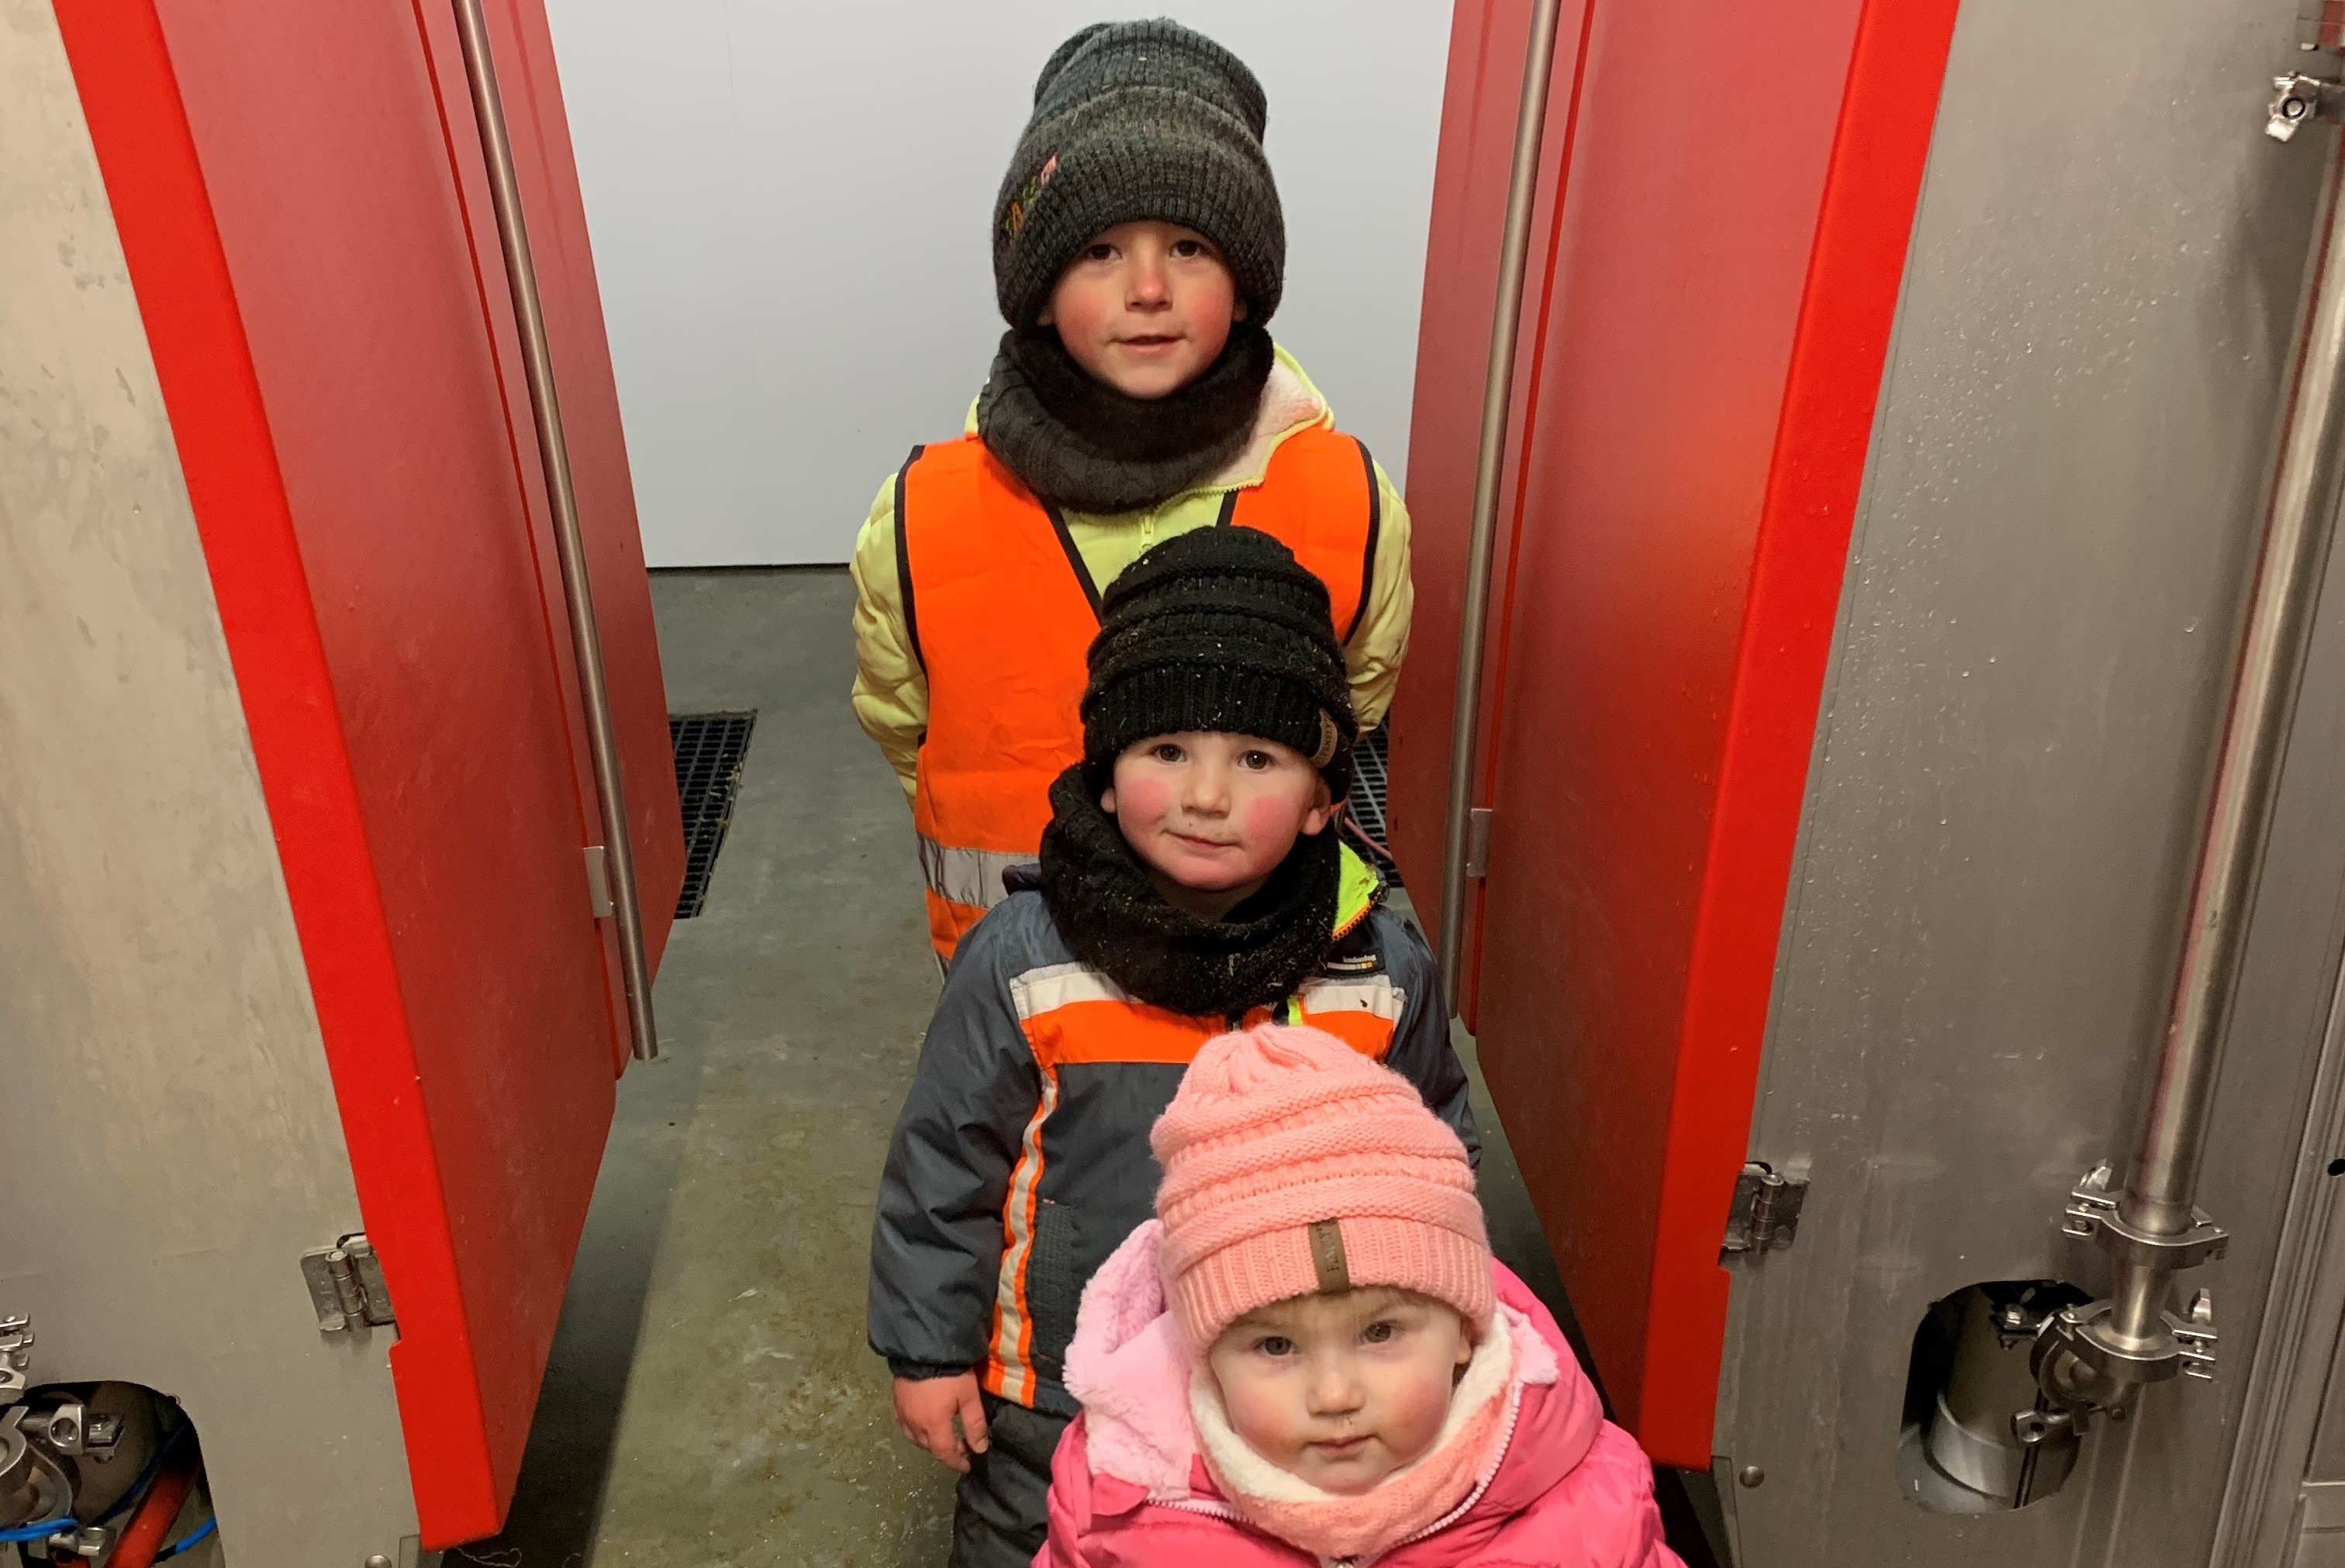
(1111, 917)
(1078, 442)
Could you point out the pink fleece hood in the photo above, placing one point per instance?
(1131, 1488)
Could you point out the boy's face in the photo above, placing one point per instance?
(1343, 1389)
(1146, 308)
(1212, 815)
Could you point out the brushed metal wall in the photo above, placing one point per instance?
(169, 1143)
(2036, 630)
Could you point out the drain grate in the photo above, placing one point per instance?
(709, 750)
(1365, 804)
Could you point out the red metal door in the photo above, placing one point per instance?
(1725, 205)
(300, 198)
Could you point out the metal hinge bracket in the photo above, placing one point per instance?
(1477, 842)
(1766, 1212)
(346, 1286)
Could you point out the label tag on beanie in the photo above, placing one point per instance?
(1327, 1257)
(1329, 738)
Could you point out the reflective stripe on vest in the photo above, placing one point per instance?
(1072, 1014)
(969, 877)
(1001, 610)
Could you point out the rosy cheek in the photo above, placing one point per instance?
(1261, 1417)
(1081, 312)
(1265, 823)
(1142, 798)
(1419, 1407)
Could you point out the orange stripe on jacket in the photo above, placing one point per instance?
(1010, 1371)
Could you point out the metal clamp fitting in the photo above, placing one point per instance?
(2083, 1333)
(2194, 1337)
(2300, 100)
(16, 1358)
(2082, 1365)
(2092, 1216)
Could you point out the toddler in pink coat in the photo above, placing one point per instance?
(1311, 1357)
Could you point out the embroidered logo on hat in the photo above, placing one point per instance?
(1015, 219)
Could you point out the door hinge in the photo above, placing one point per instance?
(346, 1286)
(1477, 842)
(598, 881)
(1766, 1212)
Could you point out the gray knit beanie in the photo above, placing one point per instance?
(1136, 120)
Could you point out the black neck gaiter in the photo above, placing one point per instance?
(1112, 917)
(1081, 443)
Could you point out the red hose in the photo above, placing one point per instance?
(143, 1536)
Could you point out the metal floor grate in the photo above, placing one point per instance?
(1365, 804)
(709, 750)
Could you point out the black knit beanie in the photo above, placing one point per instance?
(1222, 629)
(1137, 120)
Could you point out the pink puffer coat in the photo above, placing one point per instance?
(1128, 1489)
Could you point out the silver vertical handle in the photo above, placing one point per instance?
(569, 543)
(1497, 391)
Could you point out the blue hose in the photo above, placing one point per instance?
(40, 1532)
(190, 1538)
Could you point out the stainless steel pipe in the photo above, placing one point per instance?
(2286, 592)
(2152, 1228)
(1497, 393)
(2163, 1176)
(569, 542)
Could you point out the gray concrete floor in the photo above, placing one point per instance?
(710, 1398)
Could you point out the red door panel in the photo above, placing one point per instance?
(1703, 351)
(572, 304)
(298, 195)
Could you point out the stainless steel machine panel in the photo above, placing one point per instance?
(2287, 1480)
(2037, 629)
(169, 1143)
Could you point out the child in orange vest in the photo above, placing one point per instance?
(1191, 880)
(1139, 253)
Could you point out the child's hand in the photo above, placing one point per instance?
(925, 1409)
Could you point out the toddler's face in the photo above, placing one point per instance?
(1343, 1389)
(1212, 815)
(1146, 308)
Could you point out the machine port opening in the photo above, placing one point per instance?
(1978, 1437)
(101, 1472)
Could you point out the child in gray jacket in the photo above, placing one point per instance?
(1193, 881)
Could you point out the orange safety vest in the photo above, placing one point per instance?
(1000, 610)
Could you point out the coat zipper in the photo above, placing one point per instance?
(1199, 1505)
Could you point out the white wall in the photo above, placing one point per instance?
(790, 206)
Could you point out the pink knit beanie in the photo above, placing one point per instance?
(1295, 1166)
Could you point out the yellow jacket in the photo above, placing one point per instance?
(892, 694)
